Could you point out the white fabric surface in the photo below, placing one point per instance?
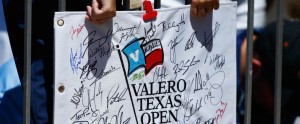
(104, 71)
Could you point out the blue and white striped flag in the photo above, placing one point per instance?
(10, 86)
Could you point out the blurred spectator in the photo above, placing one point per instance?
(259, 23)
(42, 52)
(264, 49)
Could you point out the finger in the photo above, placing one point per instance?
(216, 4)
(209, 7)
(89, 19)
(95, 4)
(112, 4)
(100, 2)
(202, 8)
(89, 14)
(108, 10)
(201, 12)
(96, 13)
(194, 10)
(89, 11)
(99, 12)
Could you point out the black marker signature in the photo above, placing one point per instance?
(103, 73)
(173, 43)
(215, 92)
(198, 120)
(218, 60)
(77, 95)
(208, 37)
(89, 70)
(90, 40)
(199, 83)
(149, 33)
(160, 74)
(190, 42)
(169, 25)
(115, 96)
(184, 66)
(190, 106)
(88, 108)
(193, 108)
(115, 119)
(127, 32)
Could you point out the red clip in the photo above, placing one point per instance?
(150, 12)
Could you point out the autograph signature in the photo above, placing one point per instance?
(115, 96)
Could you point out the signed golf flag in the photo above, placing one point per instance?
(174, 69)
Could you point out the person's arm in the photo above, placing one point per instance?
(101, 11)
(200, 8)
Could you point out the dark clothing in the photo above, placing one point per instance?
(264, 47)
(42, 51)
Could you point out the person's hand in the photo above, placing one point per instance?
(200, 8)
(101, 11)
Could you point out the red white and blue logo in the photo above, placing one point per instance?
(143, 55)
